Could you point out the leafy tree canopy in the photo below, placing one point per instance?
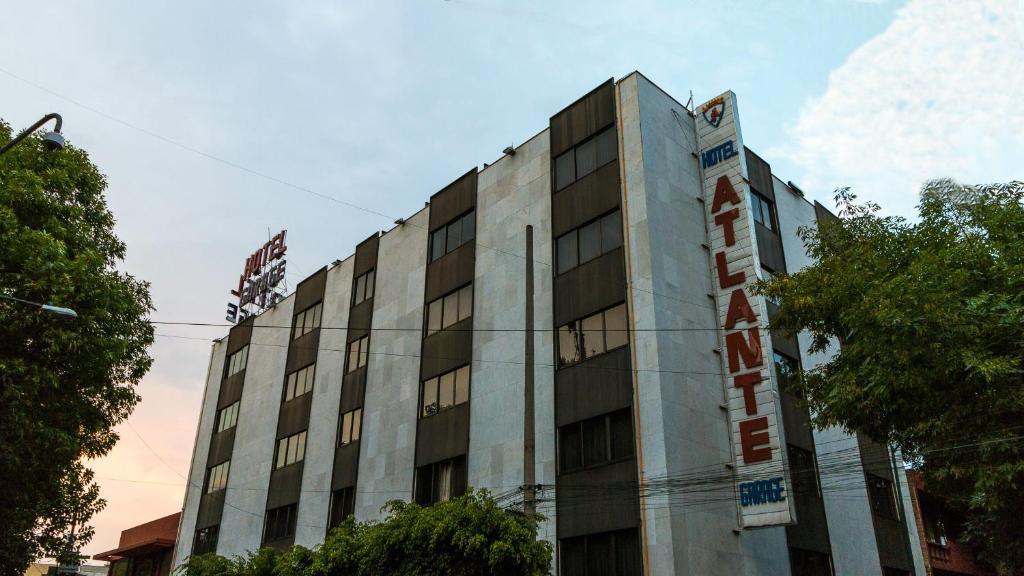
(463, 536)
(64, 382)
(930, 314)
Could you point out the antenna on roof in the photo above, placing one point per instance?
(689, 103)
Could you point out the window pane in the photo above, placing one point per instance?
(595, 447)
(451, 310)
(593, 336)
(466, 302)
(567, 351)
(462, 385)
(437, 244)
(346, 428)
(297, 331)
(755, 206)
(607, 147)
(599, 555)
(616, 333)
(621, 434)
(360, 289)
(300, 453)
(567, 252)
(468, 227)
(364, 350)
(586, 158)
(357, 423)
(590, 241)
(611, 231)
(317, 311)
(370, 277)
(627, 553)
(569, 447)
(766, 214)
(446, 394)
(573, 556)
(454, 239)
(289, 391)
(353, 355)
(293, 447)
(434, 317)
(444, 481)
(282, 451)
(565, 170)
(430, 397)
(307, 322)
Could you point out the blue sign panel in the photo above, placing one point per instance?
(762, 492)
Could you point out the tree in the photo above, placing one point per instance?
(64, 382)
(463, 536)
(930, 315)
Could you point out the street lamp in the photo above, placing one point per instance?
(60, 310)
(51, 140)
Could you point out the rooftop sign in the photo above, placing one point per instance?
(261, 284)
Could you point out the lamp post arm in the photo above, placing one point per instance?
(21, 136)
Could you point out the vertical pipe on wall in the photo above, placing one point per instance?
(529, 439)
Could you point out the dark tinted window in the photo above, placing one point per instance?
(607, 147)
(883, 498)
(565, 170)
(567, 255)
(206, 541)
(611, 231)
(586, 158)
(608, 553)
(342, 506)
(590, 241)
(468, 227)
(437, 244)
(621, 432)
(570, 447)
(809, 563)
(592, 336)
(279, 523)
(595, 443)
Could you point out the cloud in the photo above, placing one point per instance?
(940, 92)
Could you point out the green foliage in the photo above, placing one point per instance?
(931, 317)
(64, 382)
(463, 536)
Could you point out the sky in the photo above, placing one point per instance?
(216, 122)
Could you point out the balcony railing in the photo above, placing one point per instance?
(938, 552)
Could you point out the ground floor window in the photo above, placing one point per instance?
(809, 563)
(280, 523)
(441, 481)
(206, 540)
(605, 554)
(343, 504)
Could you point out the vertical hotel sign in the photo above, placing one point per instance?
(754, 422)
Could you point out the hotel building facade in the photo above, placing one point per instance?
(571, 328)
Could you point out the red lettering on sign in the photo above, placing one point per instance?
(746, 382)
(754, 440)
(748, 349)
(724, 192)
(725, 221)
(725, 279)
(739, 309)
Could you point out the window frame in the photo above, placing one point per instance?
(878, 486)
(217, 477)
(353, 430)
(363, 286)
(463, 297)
(578, 430)
(572, 332)
(465, 222)
(237, 361)
(362, 350)
(602, 223)
(600, 142)
(342, 506)
(759, 203)
(299, 320)
(292, 453)
(433, 384)
(291, 387)
(210, 545)
(231, 410)
(274, 515)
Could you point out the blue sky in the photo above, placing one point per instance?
(381, 104)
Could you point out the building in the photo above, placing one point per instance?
(570, 327)
(938, 529)
(50, 569)
(144, 550)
